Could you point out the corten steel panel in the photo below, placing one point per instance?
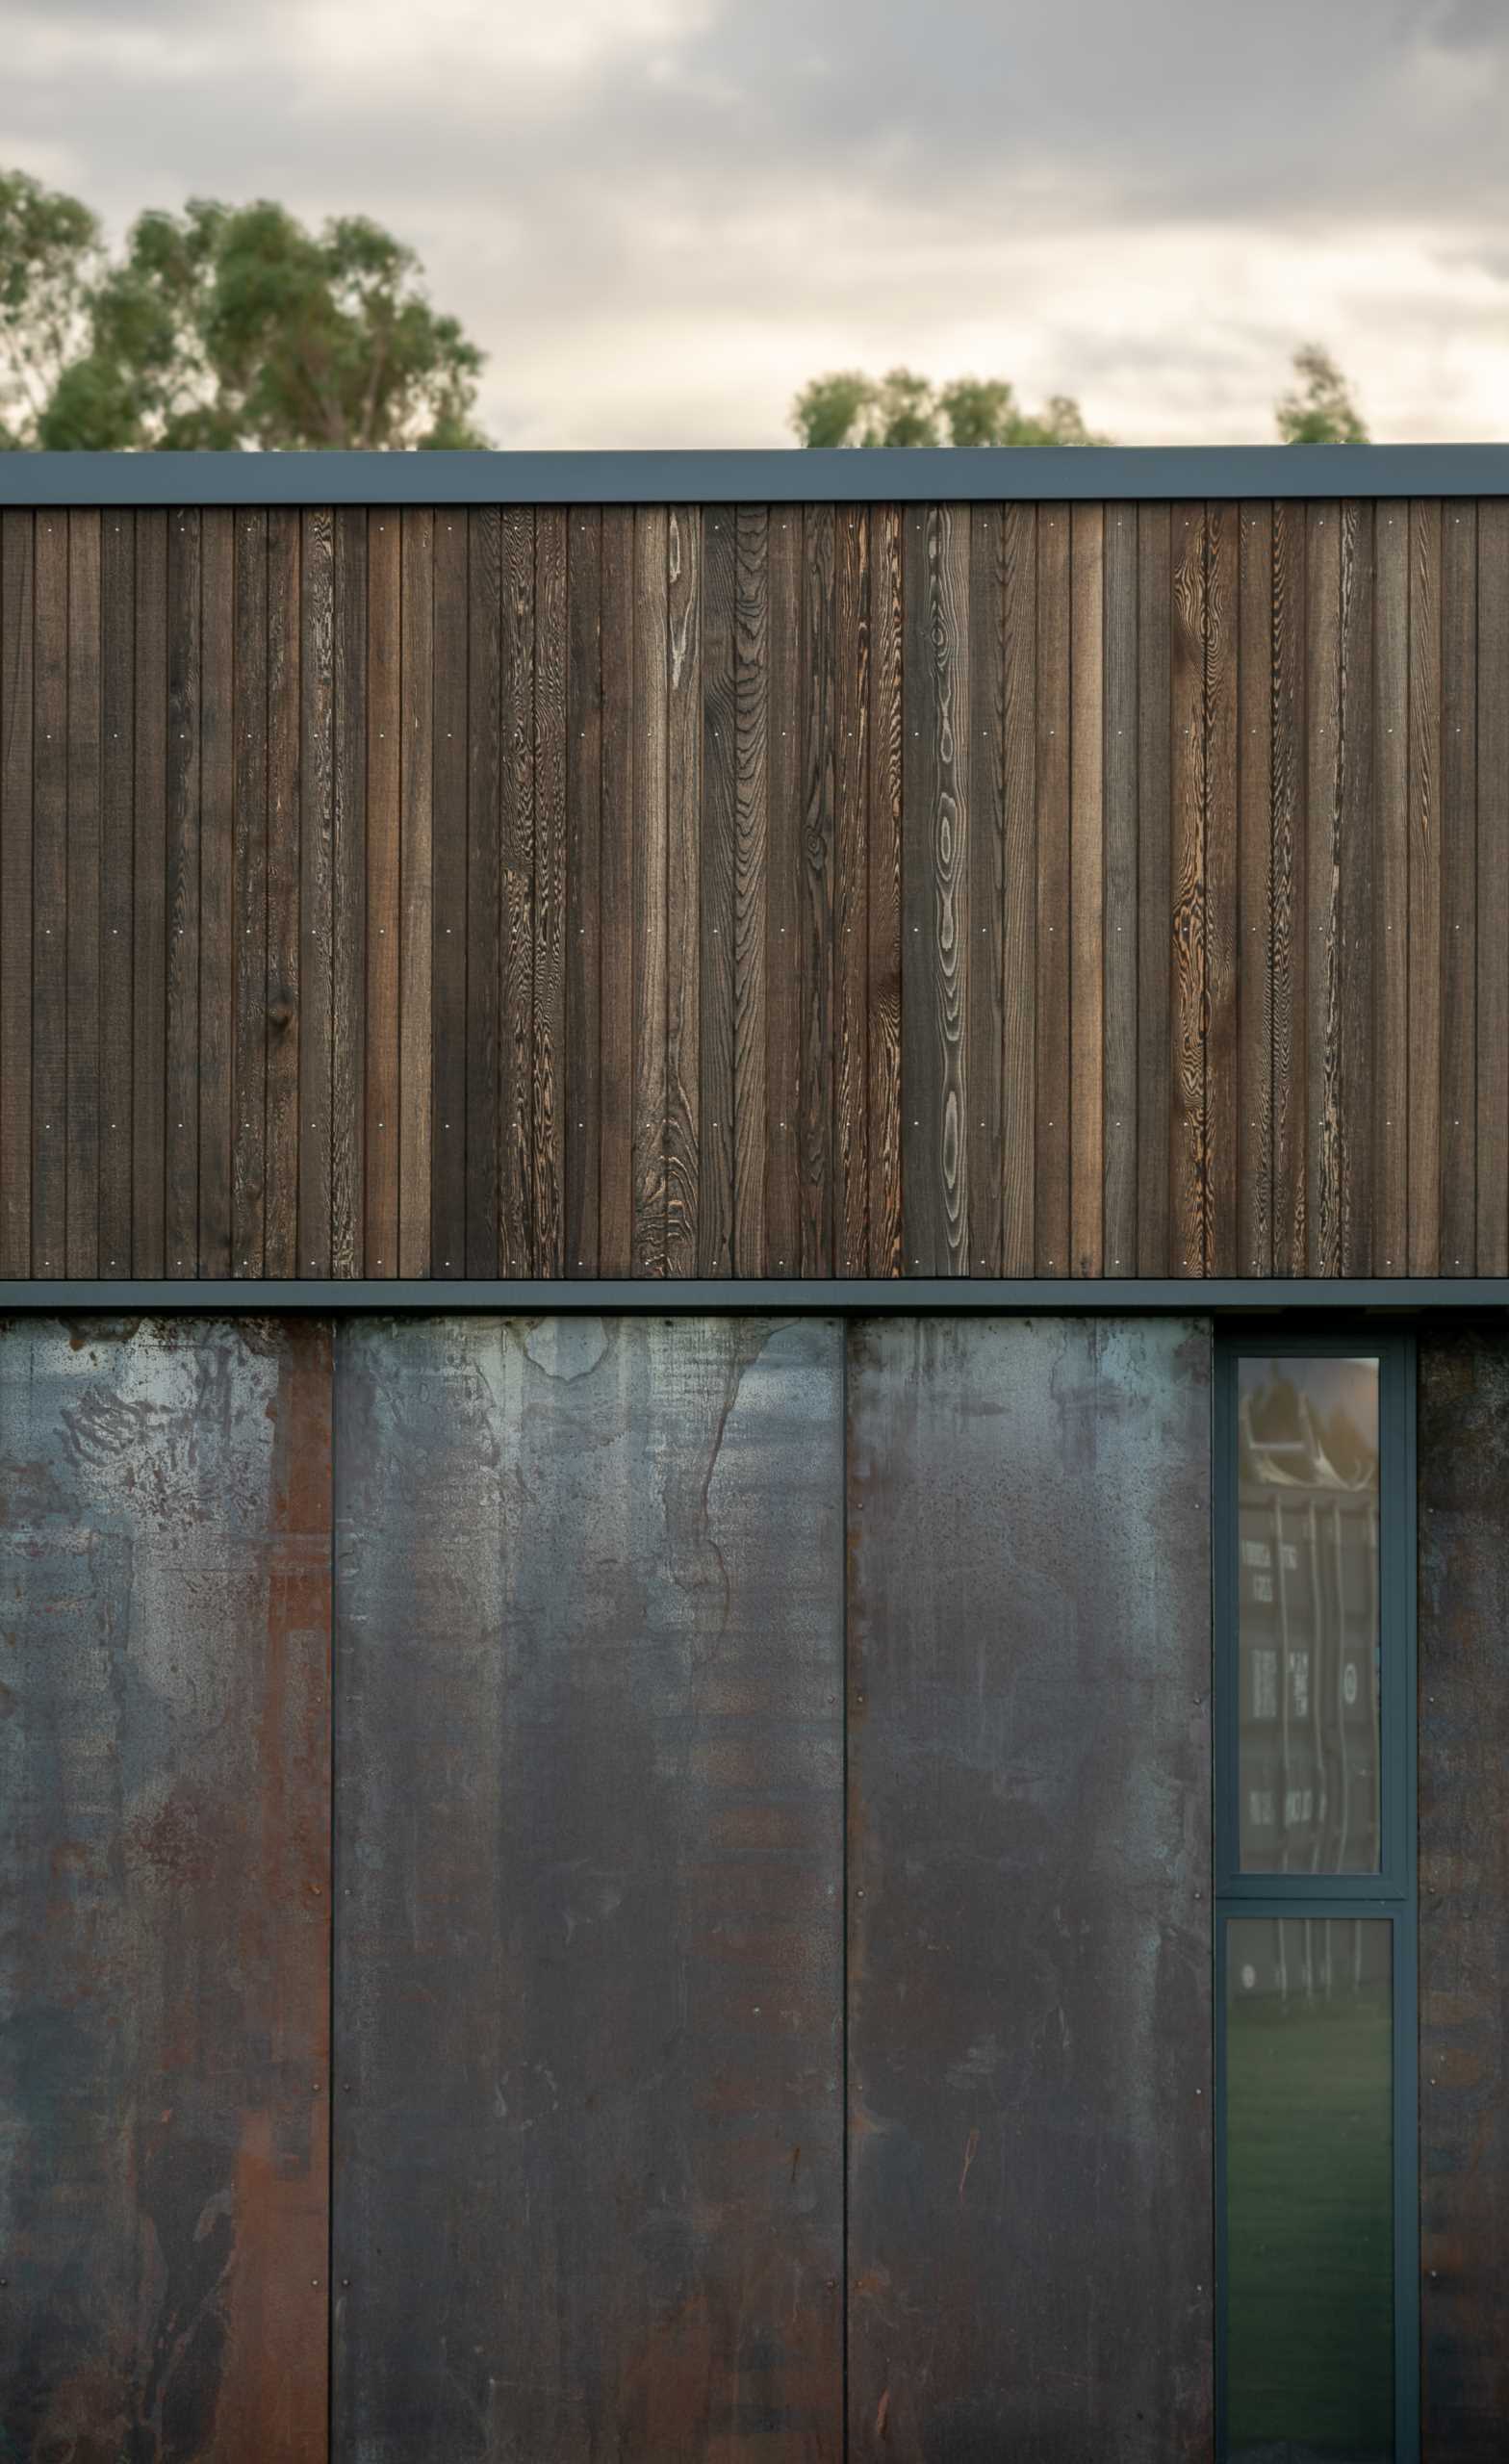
(588, 2176)
(567, 871)
(1029, 2021)
(164, 1622)
(1463, 1442)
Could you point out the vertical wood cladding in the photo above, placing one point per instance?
(955, 888)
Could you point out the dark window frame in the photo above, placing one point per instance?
(1389, 1895)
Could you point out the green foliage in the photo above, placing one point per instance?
(902, 408)
(50, 257)
(221, 327)
(1320, 409)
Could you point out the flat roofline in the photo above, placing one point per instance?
(1205, 1296)
(785, 475)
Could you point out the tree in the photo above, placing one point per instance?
(1320, 409)
(50, 257)
(222, 327)
(902, 408)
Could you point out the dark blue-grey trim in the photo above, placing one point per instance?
(782, 476)
(1047, 1297)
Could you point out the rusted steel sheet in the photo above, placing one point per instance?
(588, 2152)
(1462, 1436)
(1030, 2023)
(165, 1620)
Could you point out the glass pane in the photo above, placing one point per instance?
(1308, 2190)
(1307, 1616)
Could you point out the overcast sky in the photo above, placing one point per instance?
(660, 217)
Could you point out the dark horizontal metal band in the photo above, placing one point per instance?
(784, 476)
(1047, 1297)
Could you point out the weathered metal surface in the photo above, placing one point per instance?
(588, 2152)
(1029, 2021)
(1464, 1894)
(164, 1593)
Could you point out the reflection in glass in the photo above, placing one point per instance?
(1309, 1725)
(1308, 2190)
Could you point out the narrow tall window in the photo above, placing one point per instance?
(1316, 1903)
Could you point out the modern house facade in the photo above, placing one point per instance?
(755, 1451)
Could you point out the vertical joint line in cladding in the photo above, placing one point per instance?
(846, 1327)
(333, 1898)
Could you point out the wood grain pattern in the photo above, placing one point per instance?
(617, 1059)
(1052, 1170)
(884, 891)
(249, 1079)
(851, 1059)
(383, 756)
(1390, 1053)
(782, 911)
(547, 1132)
(815, 905)
(1253, 1161)
(1122, 889)
(452, 841)
(1019, 917)
(750, 887)
(1088, 892)
(181, 912)
(650, 902)
(1155, 970)
(1425, 887)
(1320, 887)
(117, 812)
(484, 892)
(982, 954)
(50, 900)
(1491, 1128)
(762, 890)
(718, 956)
(415, 886)
(1458, 888)
(149, 887)
(348, 894)
(285, 864)
(218, 935)
(581, 923)
(1222, 887)
(1188, 1160)
(17, 620)
(513, 1200)
(1358, 911)
(1290, 945)
(82, 982)
(682, 1127)
(316, 925)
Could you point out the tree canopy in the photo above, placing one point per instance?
(902, 408)
(1319, 410)
(221, 326)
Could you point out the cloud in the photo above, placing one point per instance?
(660, 215)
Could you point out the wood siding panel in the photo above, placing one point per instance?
(988, 889)
(1010, 1686)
